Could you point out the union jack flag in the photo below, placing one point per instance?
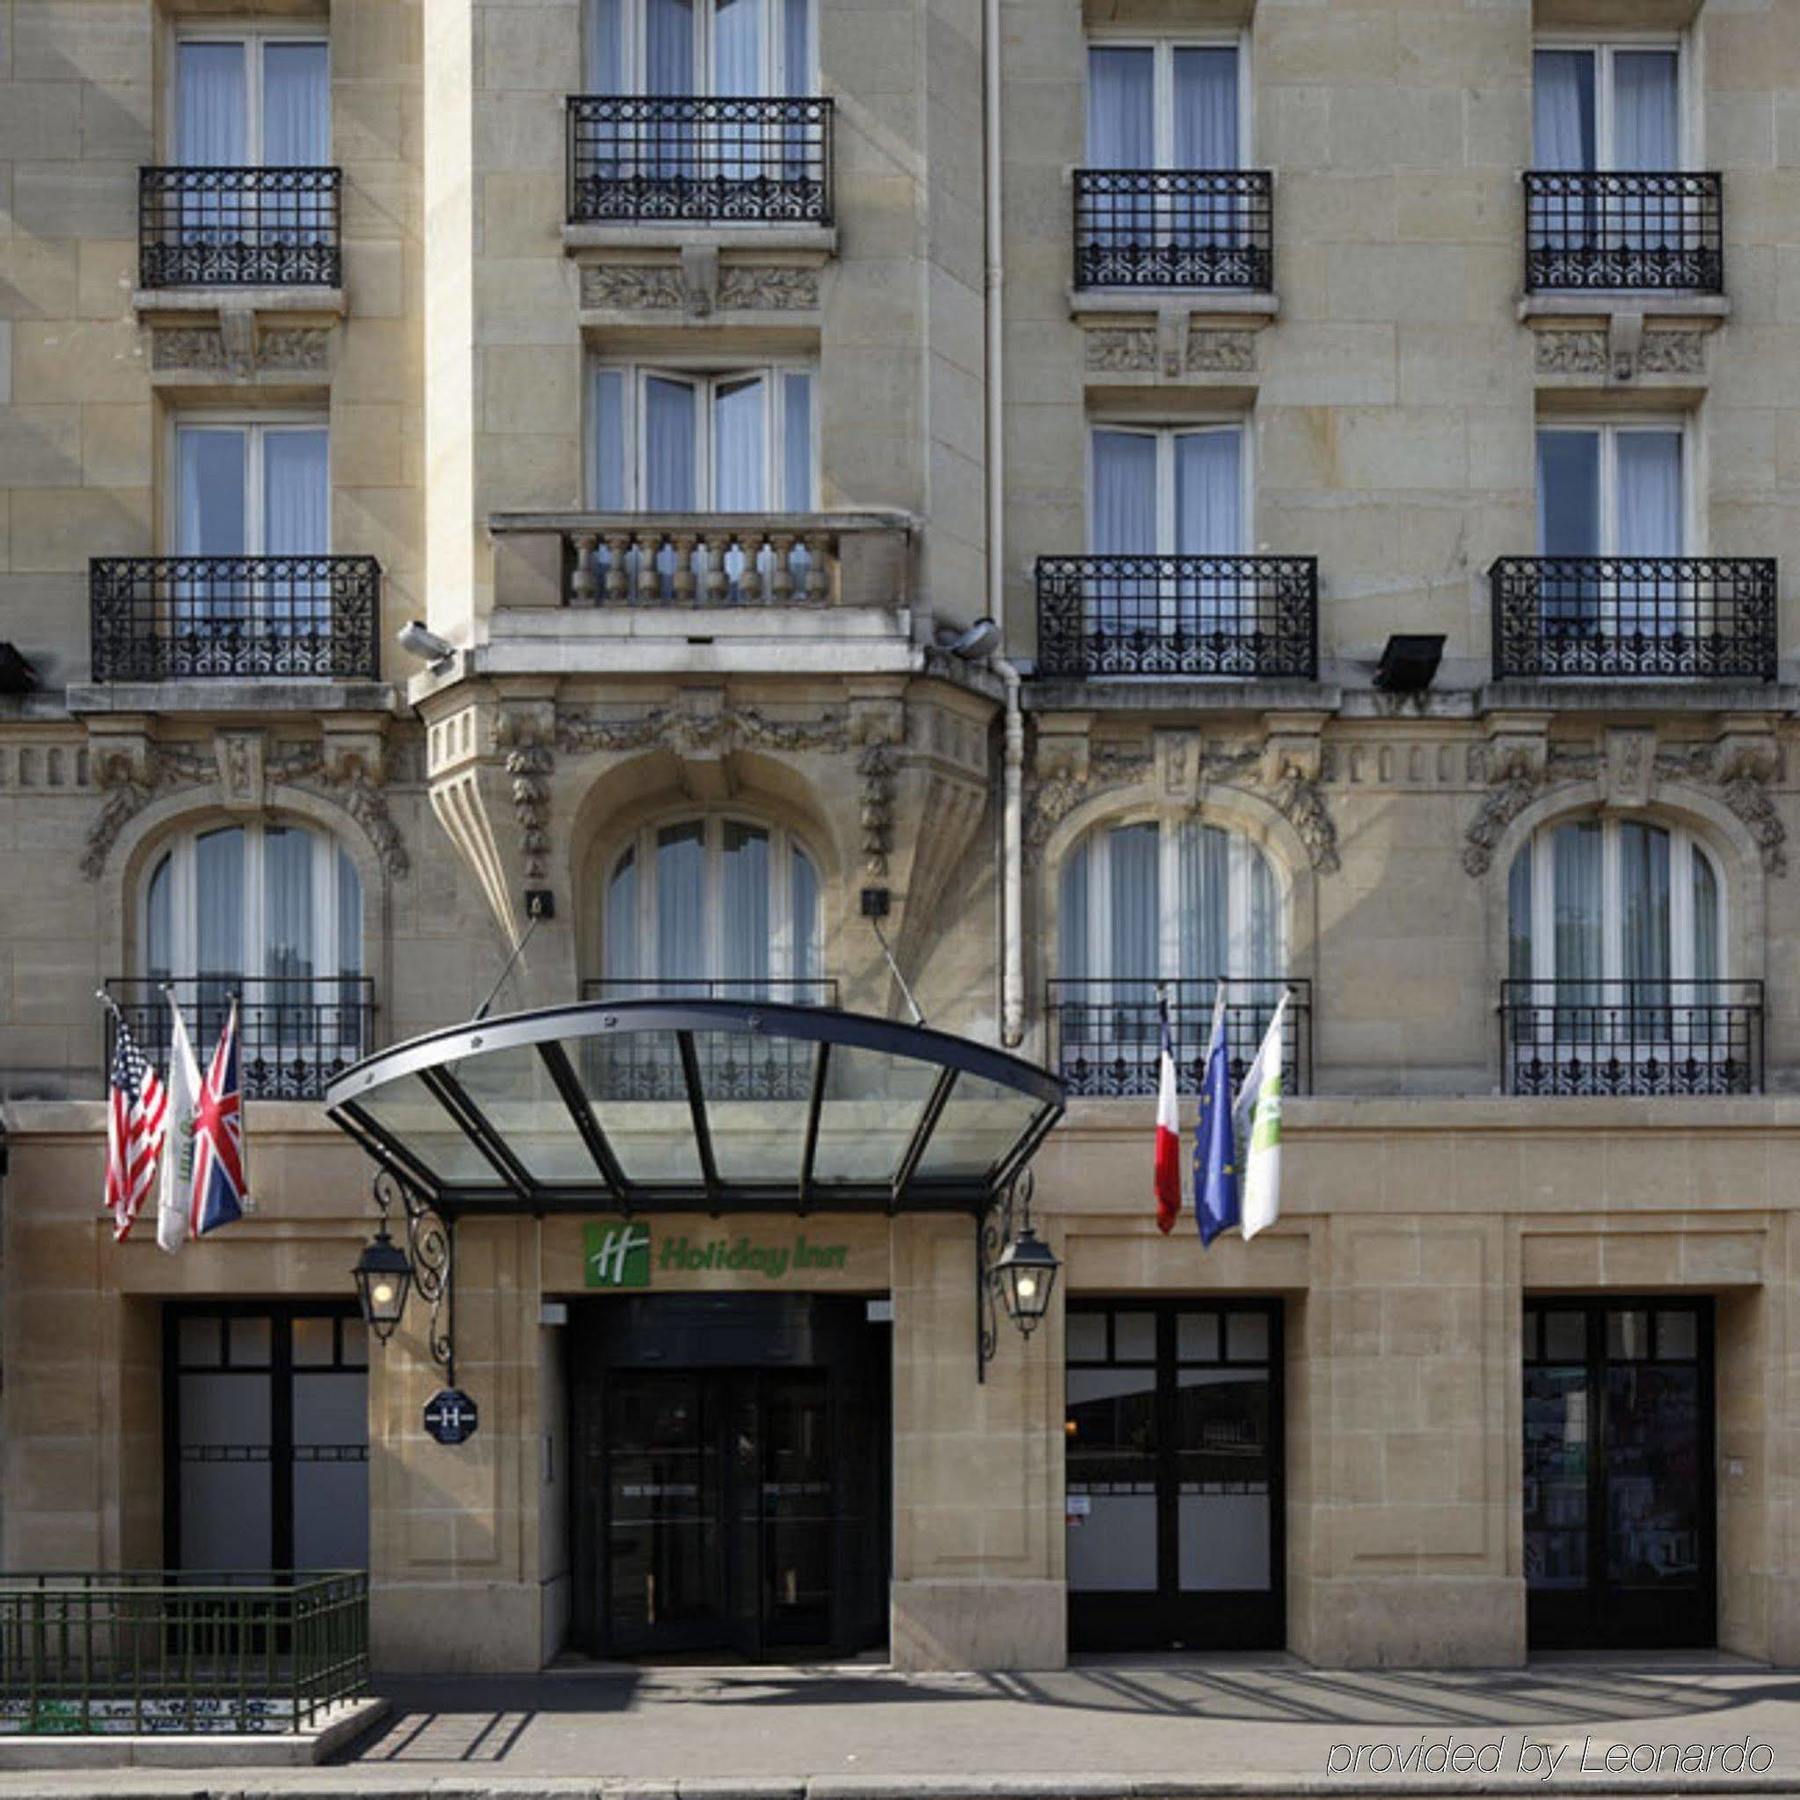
(137, 1115)
(219, 1195)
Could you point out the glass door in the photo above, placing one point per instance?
(1619, 1496)
(1173, 1475)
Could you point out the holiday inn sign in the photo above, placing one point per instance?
(622, 1255)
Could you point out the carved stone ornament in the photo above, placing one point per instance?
(1590, 351)
(877, 764)
(1115, 349)
(130, 785)
(187, 347)
(1221, 352)
(741, 727)
(1057, 795)
(241, 771)
(199, 349)
(625, 287)
(1572, 353)
(768, 288)
(529, 762)
(1742, 774)
(1672, 353)
(302, 350)
(349, 782)
(1300, 802)
(1516, 779)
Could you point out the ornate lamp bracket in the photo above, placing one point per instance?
(431, 1249)
(993, 1232)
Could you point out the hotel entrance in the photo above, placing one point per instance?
(732, 1475)
(1619, 1497)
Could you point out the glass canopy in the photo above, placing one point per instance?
(712, 1105)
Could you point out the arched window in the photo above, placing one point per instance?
(1614, 900)
(1150, 904)
(713, 905)
(271, 914)
(1615, 962)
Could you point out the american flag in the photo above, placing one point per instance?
(219, 1187)
(137, 1115)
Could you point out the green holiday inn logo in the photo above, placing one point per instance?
(618, 1256)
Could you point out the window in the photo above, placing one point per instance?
(1164, 106)
(275, 903)
(700, 47)
(1607, 107)
(1168, 491)
(1611, 490)
(1610, 900)
(1225, 919)
(246, 99)
(252, 489)
(713, 905)
(681, 441)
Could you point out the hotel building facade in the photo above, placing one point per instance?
(1375, 430)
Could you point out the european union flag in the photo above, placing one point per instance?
(1215, 1147)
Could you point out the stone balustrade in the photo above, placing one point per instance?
(692, 560)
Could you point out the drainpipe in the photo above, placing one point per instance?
(1012, 813)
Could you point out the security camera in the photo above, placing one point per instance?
(418, 639)
(980, 640)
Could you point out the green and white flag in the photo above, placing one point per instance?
(1259, 1128)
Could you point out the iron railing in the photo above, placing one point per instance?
(1244, 616)
(1175, 228)
(1631, 1036)
(639, 159)
(1643, 232)
(1106, 1034)
(179, 1651)
(220, 227)
(206, 618)
(1667, 617)
(646, 1066)
(296, 1033)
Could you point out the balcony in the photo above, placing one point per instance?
(235, 618)
(642, 1067)
(297, 1033)
(1106, 1035)
(699, 160)
(1206, 229)
(1645, 1037)
(223, 227)
(1696, 618)
(1246, 617)
(1638, 233)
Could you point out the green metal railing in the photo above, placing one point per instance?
(179, 1651)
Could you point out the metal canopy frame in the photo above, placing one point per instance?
(435, 1060)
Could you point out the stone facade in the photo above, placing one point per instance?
(1389, 387)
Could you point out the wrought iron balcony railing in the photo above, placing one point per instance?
(702, 559)
(206, 618)
(218, 227)
(1632, 1037)
(1106, 1034)
(643, 1067)
(187, 1651)
(699, 160)
(1242, 616)
(297, 1033)
(1175, 228)
(1623, 617)
(1637, 232)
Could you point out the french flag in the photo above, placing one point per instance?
(1168, 1133)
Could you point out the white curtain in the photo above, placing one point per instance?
(620, 951)
(1135, 901)
(210, 517)
(1519, 902)
(805, 881)
(796, 448)
(1204, 861)
(1124, 524)
(744, 903)
(296, 106)
(740, 446)
(606, 47)
(1706, 916)
(1208, 523)
(606, 456)
(1562, 110)
(1644, 907)
(212, 112)
(159, 933)
(1075, 961)
(681, 902)
(1578, 884)
(1121, 121)
(796, 47)
(219, 902)
(287, 903)
(670, 434)
(1206, 109)
(1646, 111)
(668, 71)
(1568, 470)
(738, 70)
(1649, 493)
(349, 916)
(296, 522)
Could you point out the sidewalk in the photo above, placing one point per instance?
(1266, 1725)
